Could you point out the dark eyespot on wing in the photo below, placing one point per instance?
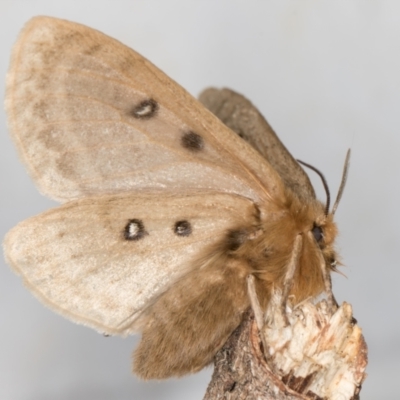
(235, 238)
(192, 141)
(134, 230)
(318, 233)
(145, 109)
(182, 228)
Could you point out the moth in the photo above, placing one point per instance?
(165, 210)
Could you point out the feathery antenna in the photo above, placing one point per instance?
(321, 175)
(342, 183)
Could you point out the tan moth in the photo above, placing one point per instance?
(166, 211)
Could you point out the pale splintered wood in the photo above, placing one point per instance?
(316, 356)
(322, 354)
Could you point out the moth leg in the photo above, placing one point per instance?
(255, 303)
(190, 322)
(332, 303)
(288, 281)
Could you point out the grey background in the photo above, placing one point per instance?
(326, 74)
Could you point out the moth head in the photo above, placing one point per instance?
(319, 241)
(318, 231)
(274, 247)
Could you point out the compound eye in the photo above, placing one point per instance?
(318, 233)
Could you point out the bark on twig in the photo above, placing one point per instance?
(240, 371)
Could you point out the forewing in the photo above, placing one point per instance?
(90, 116)
(102, 261)
(239, 114)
